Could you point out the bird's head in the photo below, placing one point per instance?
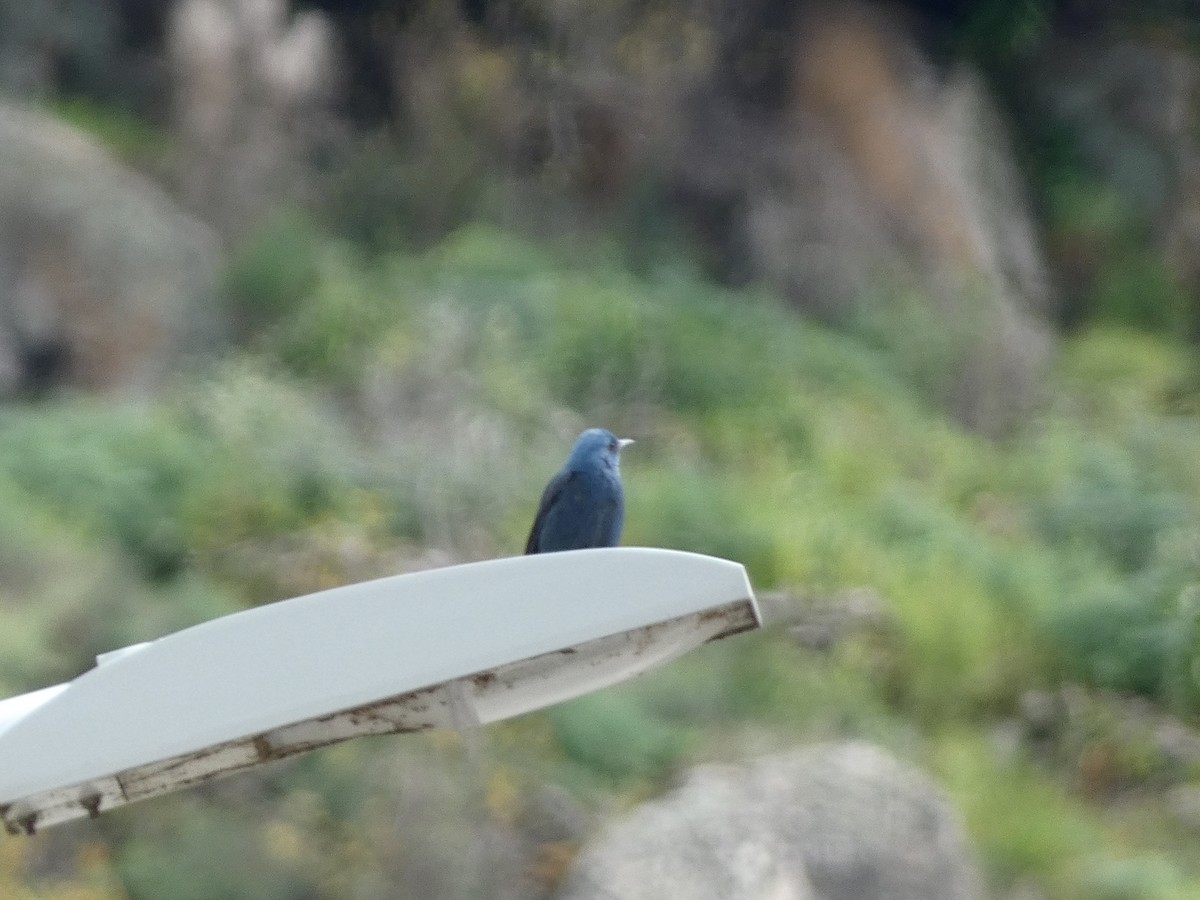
(597, 445)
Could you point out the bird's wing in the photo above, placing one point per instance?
(553, 490)
(611, 519)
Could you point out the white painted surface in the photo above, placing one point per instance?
(520, 632)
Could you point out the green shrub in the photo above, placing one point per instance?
(330, 335)
(241, 455)
(384, 196)
(1116, 640)
(1029, 827)
(1148, 877)
(1112, 375)
(701, 513)
(611, 735)
(273, 271)
(122, 472)
(1137, 289)
(1114, 270)
(208, 853)
(1113, 509)
(1000, 31)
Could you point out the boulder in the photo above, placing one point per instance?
(838, 821)
(105, 282)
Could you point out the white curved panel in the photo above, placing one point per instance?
(442, 648)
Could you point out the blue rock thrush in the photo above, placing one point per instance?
(584, 504)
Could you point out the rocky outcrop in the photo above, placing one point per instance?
(883, 193)
(252, 87)
(841, 821)
(105, 283)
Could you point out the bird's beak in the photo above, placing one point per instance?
(622, 443)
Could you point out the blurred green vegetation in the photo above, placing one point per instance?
(1104, 243)
(382, 408)
(131, 137)
(388, 410)
(995, 31)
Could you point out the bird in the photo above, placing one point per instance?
(584, 504)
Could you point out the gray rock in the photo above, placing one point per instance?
(889, 200)
(105, 283)
(252, 83)
(1041, 711)
(820, 622)
(841, 821)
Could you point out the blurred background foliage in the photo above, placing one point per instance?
(486, 226)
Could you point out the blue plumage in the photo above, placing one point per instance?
(584, 504)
